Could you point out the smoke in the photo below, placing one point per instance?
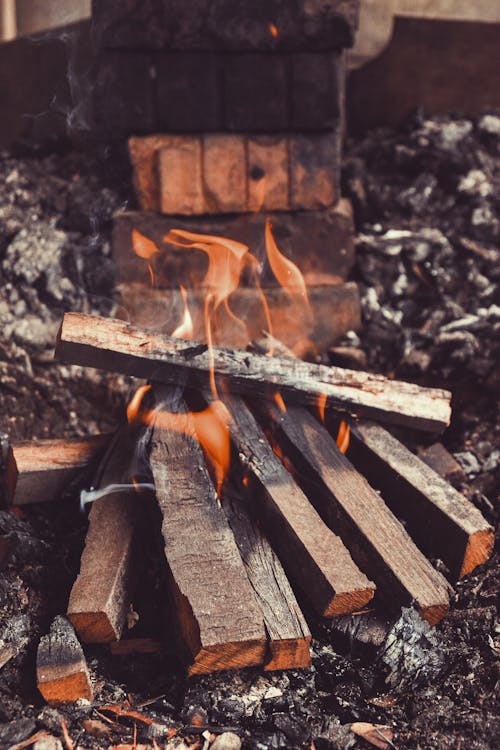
(89, 496)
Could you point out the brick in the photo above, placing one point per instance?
(188, 94)
(255, 92)
(236, 25)
(314, 161)
(315, 91)
(319, 242)
(143, 156)
(123, 93)
(268, 177)
(224, 173)
(180, 176)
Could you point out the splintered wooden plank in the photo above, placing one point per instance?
(287, 630)
(376, 539)
(102, 593)
(441, 520)
(219, 618)
(61, 669)
(313, 556)
(118, 346)
(40, 471)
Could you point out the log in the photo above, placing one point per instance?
(61, 669)
(441, 520)
(39, 471)
(335, 309)
(443, 463)
(313, 556)
(102, 593)
(376, 540)
(219, 620)
(120, 347)
(288, 633)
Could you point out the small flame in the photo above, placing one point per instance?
(274, 30)
(145, 248)
(286, 272)
(185, 329)
(343, 437)
(245, 481)
(280, 402)
(135, 402)
(321, 404)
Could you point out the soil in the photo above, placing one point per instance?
(427, 200)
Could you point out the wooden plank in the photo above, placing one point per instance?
(40, 471)
(102, 593)
(335, 310)
(219, 619)
(118, 346)
(61, 669)
(441, 520)
(443, 463)
(376, 539)
(313, 556)
(288, 633)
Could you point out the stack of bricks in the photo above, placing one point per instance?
(232, 107)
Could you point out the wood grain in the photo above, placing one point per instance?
(376, 539)
(117, 346)
(441, 520)
(61, 669)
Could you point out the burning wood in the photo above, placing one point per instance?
(39, 472)
(62, 673)
(442, 521)
(314, 557)
(375, 538)
(120, 347)
(219, 619)
(102, 593)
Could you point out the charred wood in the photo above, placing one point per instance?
(61, 669)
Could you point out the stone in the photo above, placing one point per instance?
(224, 173)
(268, 175)
(180, 176)
(255, 92)
(314, 161)
(226, 741)
(316, 85)
(188, 94)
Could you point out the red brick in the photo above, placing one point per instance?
(315, 91)
(268, 174)
(180, 176)
(188, 94)
(314, 161)
(256, 92)
(224, 173)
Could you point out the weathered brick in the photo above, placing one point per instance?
(237, 25)
(143, 157)
(256, 92)
(268, 174)
(314, 160)
(180, 176)
(315, 91)
(188, 93)
(123, 93)
(224, 173)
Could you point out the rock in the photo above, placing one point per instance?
(226, 741)
(468, 462)
(48, 743)
(16, 732)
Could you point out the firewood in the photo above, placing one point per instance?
(313, 556)
(219, 619)
(335, 310)
(128, 646)
(61, 669)
(117, 346)
(438, 458)
(376, 539)
(102, 593)
(287, 630)
(39, 471)
(441, 520)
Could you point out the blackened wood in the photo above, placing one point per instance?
(219, 619)
(40, 471)
(362, 633)
(376, 539)
(287, 630)
(61, 669)
(102, 593)
(117, 346)
(441, 520)
(313, 556)
(443, 463)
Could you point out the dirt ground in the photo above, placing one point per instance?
(426, 200)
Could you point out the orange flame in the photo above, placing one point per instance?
(321, 404)
(274, 30)
(185, 329)
(343, 437)
(145, 248)
(135, 402)
(286, 272)
(280, 402)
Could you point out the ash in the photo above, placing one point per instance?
(426, 200)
